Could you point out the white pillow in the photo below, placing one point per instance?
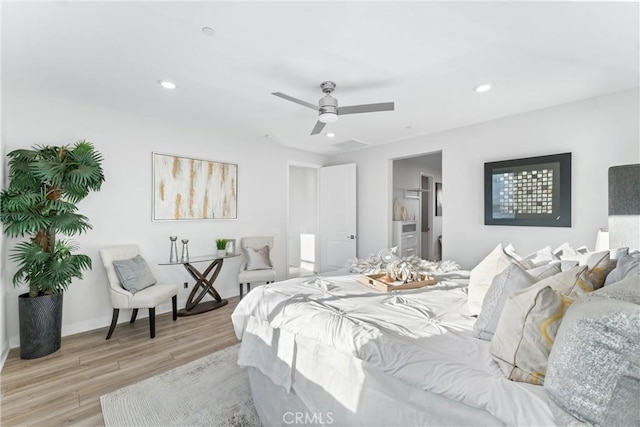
(482, 275)
(540, 257)
(258, 259)
(565, 250)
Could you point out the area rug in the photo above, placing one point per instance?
(212, 391)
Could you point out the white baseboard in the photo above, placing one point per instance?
(105, 321)
(3, 357)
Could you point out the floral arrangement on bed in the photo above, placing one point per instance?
(386, 261)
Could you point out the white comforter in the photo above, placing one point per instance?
(421, 337)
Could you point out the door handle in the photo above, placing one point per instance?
(351, 236)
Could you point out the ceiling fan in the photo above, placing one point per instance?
(328, 106)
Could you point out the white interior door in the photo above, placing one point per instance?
(337, 200)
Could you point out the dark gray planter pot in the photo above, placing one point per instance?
(40, 325)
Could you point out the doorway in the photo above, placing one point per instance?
(302, 226)
(414, 191)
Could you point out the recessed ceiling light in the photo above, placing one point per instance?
(408, 127)
(482, 88)
(331, 135)
(268, 136)
(208, 31)
(167, 84)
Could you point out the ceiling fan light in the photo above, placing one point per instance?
(327, 117)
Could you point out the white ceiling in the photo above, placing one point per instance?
(425, 56)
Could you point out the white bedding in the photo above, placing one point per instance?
(420, 337)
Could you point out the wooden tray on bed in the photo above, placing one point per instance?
(374, 281)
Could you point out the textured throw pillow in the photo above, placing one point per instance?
(513, 278)
(134, 274)
(529, 322)
(593, 374)
(258, 259)
(482, 275)
(627, 266)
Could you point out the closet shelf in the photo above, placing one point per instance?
(414, 193)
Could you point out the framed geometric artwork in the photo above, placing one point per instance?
(185, 188)
(533, 191)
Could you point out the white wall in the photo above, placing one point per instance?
(121, 211)
(600, 132)
(4, 282)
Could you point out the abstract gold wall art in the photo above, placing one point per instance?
(189, 189)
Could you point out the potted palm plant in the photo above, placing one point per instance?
(45, 184)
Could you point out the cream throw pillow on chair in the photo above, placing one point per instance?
(258, 259)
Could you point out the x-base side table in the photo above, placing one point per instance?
(204, 284)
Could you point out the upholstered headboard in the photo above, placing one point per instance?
(624, 206)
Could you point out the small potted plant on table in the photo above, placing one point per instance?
(221, 244)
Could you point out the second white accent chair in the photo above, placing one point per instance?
(257, 266)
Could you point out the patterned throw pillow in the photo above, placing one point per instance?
(512, 279)
(482, 275)
(529, 323)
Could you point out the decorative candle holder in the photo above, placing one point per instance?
(173, 255)
(185, 251)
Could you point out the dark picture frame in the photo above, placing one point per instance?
(532, 191)
(438, 199)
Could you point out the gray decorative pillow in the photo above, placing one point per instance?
(627, 266)
(258, 259)
(593, 373)
(627, 289)
(513, 278)
(134, 274)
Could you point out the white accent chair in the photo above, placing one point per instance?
(255, 276)
(121, 298)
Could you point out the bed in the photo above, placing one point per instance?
(332, 351)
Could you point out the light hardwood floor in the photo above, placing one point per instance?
(64, 388)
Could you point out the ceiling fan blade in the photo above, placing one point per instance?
(296, 100)
(366, 108)
(318, 128)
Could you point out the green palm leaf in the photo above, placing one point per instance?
(46, 183)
